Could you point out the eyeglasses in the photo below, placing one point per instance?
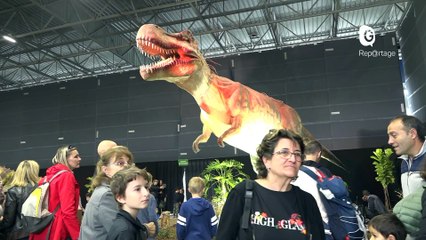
(286, 154)
(120, 163)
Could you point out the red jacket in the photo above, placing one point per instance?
(63, 190)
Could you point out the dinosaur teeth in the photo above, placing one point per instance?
(160, 64)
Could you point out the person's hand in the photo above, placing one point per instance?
(151, 229)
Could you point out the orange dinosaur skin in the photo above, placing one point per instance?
(233, 112)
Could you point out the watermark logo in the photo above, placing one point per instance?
(366, 36)
(376, 53)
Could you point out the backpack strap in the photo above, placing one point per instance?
(57, 207)
(54, 176)
(247, 204)
(50, 224)
(334, 223)
(310, 173)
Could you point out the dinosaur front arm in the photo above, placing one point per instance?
(202, 138)
(235, 127)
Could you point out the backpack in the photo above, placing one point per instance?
(35, 209)
(345, 221)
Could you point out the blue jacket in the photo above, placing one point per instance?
(196, 221)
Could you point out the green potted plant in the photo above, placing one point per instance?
(384, 168)
(222, 176)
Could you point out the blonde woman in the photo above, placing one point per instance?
(24, 180)
(102, 208)
(64, 196)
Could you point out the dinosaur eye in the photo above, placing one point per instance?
(186, 35)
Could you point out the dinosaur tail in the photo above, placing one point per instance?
(329, 156)
(326, 154)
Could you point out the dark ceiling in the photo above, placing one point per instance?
(60, 40)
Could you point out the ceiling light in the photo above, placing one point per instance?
(10, 39)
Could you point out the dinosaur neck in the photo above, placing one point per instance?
(198, 85)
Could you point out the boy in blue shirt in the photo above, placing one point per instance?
(197, 219)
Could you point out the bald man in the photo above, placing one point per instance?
(104, 145)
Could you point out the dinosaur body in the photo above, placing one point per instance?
(236, 114)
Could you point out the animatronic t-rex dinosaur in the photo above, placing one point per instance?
(236, 114)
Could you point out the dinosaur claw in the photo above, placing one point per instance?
(195, 148)
(220, 143)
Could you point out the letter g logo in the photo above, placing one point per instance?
(366, 36)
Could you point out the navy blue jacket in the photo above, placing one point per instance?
(196, 221)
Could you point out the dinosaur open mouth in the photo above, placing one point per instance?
(163, 55)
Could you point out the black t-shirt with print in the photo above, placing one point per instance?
(274, 215)
(277, 215)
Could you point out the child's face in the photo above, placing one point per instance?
(137, 196)
(375, 235)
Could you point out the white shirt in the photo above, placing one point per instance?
(309, 185)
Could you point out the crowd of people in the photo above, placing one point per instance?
(284, 202)
(119, 206)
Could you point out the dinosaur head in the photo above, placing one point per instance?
(176, 55)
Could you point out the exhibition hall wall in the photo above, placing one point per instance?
(344, 97)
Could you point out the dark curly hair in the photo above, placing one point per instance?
(268, 144)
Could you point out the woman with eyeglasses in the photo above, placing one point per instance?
(64, 196)
(278, 210)
(102, 208)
